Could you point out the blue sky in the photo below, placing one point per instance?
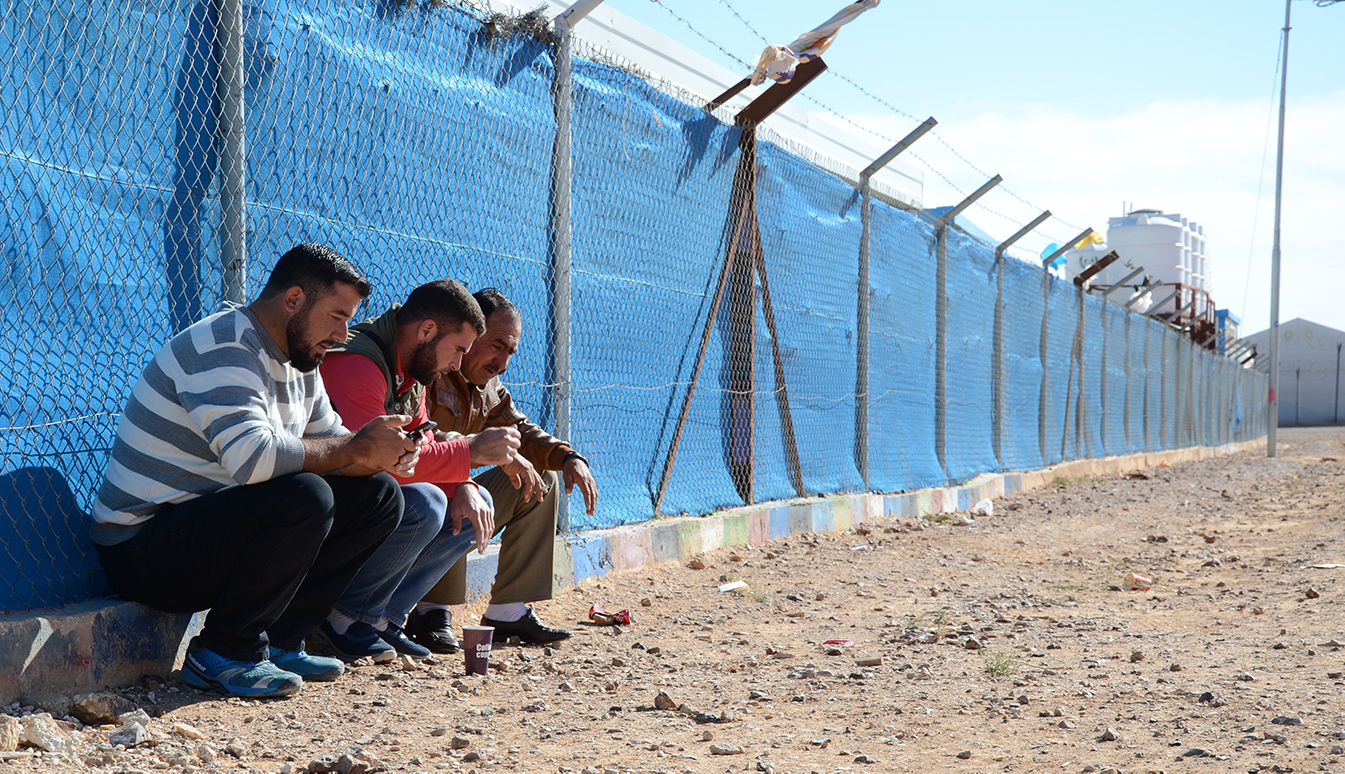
(1083, 106)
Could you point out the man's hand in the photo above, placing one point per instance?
(576, 474)
(406, 464)
(525, 478)
(381, 445)
(494, 446)
(469, 504)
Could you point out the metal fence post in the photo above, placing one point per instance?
(865, 291)
(941, 321)
(232, 129)
(997, 365)
(1044, 355)
(941, 349)
(1102, 382)
(561, 249)
(561, 228)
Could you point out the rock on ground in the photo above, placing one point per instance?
(98, 708)
(41, 731)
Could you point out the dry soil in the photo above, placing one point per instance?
(1013, 644)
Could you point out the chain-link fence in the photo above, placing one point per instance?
(696, 322)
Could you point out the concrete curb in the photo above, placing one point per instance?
(101, 642)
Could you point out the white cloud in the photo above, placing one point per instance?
(1202, 158)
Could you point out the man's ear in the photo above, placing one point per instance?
(427, 330)
(294, 299)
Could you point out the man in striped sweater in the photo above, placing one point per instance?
(232, 485)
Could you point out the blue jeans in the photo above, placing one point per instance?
(410, 561)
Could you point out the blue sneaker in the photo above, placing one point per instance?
(204, 668)
(313, 669)
(360, 641)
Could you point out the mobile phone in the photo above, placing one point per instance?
(429, 426)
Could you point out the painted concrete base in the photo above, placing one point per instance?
(110, 642)
(85, 646)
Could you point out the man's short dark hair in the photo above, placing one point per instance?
(446, 302)
(315, 268)
(491, 299)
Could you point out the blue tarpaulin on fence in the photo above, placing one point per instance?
(419, 143)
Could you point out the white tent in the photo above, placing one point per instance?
(1312, 386)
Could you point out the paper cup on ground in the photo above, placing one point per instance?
(476, 648)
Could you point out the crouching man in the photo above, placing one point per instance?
(472, 402)
(234, 486)
(384, 367)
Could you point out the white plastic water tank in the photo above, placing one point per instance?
(1154, 241)
(1169, 247)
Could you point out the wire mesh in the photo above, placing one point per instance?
(970, 290)
(1115, 356)
(89, 101)
(422, 142)
(1023, 371)
(901, 432)
(1092, 338)
(654, 193)
(805, 212)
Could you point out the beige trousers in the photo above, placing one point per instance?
(526, 550)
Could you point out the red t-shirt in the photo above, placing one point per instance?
(356, 388)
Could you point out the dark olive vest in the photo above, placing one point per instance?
(376, 339)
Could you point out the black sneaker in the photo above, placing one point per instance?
(434, 630)
(528, 629)
(393, 636)
(360, 641)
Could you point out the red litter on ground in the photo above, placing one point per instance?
(1138, 582)
(604, 618)
(842, 643)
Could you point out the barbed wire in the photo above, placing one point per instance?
(903, 113)
(876, 133)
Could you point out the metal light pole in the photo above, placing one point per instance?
(1273, 403)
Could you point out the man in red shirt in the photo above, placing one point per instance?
(387, 361)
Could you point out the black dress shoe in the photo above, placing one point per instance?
(434, 630)
(528, 628)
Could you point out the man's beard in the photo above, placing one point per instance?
(424, 365)
(301, 350)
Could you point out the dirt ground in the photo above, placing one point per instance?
(1009, 645)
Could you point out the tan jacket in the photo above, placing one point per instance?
(466, 409)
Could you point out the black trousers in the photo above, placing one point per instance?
(268, 560)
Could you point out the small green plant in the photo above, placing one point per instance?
(757, 596)
(942, 518)
(747, 591)
(941, 626)
(1065, 482)
(998, 663)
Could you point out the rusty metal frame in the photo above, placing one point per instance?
(743, 305)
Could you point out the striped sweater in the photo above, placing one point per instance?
(219, 405)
